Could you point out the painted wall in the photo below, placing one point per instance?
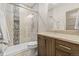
(43, 17)
(59, 15)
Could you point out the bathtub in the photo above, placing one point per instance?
(25, 49)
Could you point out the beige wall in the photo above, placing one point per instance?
(43, 17)
(59, 15)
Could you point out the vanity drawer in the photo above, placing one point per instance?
(61, 53)
(64, 46)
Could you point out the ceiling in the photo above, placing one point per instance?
(54, 5)
(31, 5)
(35, 5)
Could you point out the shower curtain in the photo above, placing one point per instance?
(28, 26)
(4, 28)
(28, 22)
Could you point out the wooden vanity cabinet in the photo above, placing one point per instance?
(63, 48)
(46, 46)
(50, 46)
(41, 46)
(55, 47)
(61, 53)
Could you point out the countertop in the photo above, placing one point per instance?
(61, 36)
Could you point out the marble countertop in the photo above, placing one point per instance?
(61, 36)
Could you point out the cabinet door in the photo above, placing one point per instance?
(50, 47)
(41, 46)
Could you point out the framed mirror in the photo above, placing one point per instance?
(71, 17)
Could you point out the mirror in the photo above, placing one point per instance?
(71, 17)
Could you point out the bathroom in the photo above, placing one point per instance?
(27, 29)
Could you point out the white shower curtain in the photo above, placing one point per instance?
(3, 26)
(3, 23)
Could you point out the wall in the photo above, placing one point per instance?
(59, 15)
(43, 17)
(51, 20)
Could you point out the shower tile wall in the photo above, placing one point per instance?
(16, 25)
(28, 26)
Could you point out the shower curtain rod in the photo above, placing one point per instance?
(22, 6)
